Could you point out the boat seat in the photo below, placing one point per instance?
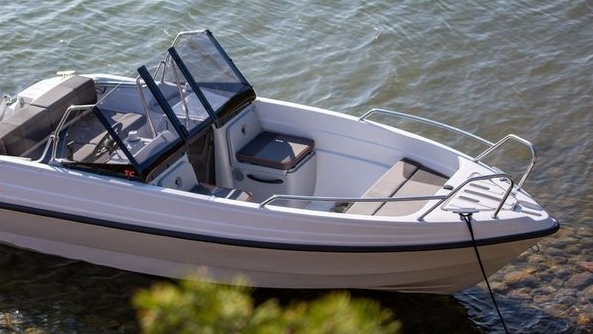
(33, 123)
(252, 144)
(275, 150)
(406, 178)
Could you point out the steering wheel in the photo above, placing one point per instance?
(107, 143)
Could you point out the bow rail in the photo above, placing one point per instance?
(442, 199)
(491, 147)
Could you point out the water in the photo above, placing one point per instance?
(490, 67)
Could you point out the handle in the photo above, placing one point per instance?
(270, 181)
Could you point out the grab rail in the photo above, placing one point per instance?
(54, 138)
(491, 148)
(520, 140)
(473, 179)
(441, 198)
(424, 120)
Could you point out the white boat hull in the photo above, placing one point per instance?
(149, 230)
(441, 271)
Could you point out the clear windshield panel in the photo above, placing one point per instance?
(174, 95)
(142, 130)
(84, 139)
(211, 68)
(197, 81)
(180, 97)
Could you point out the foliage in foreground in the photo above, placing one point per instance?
(195, 306)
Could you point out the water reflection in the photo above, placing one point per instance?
(64, 296)
(73, 297)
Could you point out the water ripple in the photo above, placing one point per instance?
(492, 67)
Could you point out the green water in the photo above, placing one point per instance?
(490, 67)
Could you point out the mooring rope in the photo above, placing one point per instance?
(467, 217)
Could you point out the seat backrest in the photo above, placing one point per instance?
(242, 131)
(33, 123)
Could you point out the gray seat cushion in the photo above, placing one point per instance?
(276, 150)
(386, 186)
(405, 179)
(422, 183)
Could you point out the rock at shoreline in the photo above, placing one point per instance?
(586, 265)
(578, 281)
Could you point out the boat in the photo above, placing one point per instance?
(182, 166)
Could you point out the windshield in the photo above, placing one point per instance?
(139, 123)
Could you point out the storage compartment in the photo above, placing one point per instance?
(266, 163)
(264, 182)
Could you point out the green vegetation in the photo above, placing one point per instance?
(195, 306)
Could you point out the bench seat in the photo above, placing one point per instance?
(22, 132)
(405, 179)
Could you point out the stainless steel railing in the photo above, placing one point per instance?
(503, 199)
(440, 198)
(520, 140)
(491, 146)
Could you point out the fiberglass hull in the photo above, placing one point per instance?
(165, 232)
